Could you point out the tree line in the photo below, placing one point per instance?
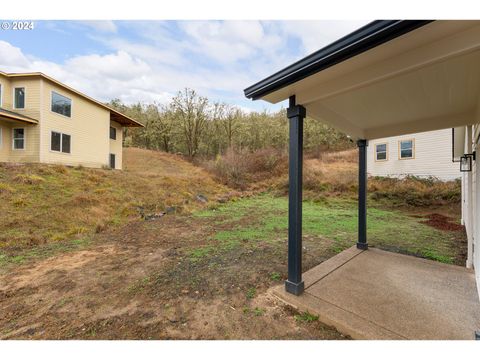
(194, 126)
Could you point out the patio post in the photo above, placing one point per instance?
(362, 194)
(295, 114)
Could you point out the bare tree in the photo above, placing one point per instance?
(192, 112)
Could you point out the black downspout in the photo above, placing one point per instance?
(362, 194)
(295, 114)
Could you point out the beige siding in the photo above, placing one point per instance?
(32, 109)
(88, 127)
(432, 156)
(116, 145)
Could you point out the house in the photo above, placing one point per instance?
(45, 121)
(389, 78)
(424, 154)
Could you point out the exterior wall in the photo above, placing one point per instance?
(88, 126)
(116, 145)
(475, 207)
(32, 109)
(471, 202)
(432, 156)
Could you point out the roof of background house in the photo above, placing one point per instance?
(115, 114)
(363, 39)
(15, 116)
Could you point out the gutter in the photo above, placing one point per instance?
(367, 37)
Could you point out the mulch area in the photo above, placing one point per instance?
(442, 222)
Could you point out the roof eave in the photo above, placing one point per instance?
(361, 40)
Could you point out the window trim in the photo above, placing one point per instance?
(24, 138)
(24, 95)
(61, 143)
(400, 149)
(375, 152)
(110, 135)
(71, 105)
(1, 94)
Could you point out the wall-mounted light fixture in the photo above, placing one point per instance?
(466, 162)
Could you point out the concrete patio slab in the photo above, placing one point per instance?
(376, 294)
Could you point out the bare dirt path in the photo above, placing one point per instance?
(139, 283)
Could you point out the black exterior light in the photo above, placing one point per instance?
(466, 162)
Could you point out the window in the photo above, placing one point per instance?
(112, 161)
(380, 152)
(1, 137)
(1, 95)
(406, 149)
(19, 98)
(61, 104)
(18, 139)
(60, 142)
(113, 133)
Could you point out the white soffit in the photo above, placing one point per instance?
(427, 79)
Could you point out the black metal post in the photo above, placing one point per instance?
(362, 194)
(295, 114)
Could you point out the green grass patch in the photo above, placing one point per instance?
(263, 219)
(306, 317)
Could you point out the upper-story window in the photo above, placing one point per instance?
(406, 149)
(19, 98)
(61, 104)
(381, 152)
(1, 95)
(113, 133)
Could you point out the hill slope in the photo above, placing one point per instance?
(48, 203)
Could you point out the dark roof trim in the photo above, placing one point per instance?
(361, 40)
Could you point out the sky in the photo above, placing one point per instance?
(146, 61)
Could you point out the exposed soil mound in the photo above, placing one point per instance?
(442, 222)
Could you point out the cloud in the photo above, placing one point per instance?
(12, 56)
(151, 60)
(317, 34)
(106, 26)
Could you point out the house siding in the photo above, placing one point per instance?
(32, 109)
(432, 156)
(116, 146)
(88, 126)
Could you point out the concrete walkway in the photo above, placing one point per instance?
(376, 294)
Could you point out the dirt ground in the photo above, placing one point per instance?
(138, 283)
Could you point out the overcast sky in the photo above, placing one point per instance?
(151, 60)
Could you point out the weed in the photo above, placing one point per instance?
(306, 317)
(251, 293)
(258, 311)
(275, 276)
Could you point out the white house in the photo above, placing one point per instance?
(421, 154)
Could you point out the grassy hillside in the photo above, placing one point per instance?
(330, 175)
(48, 203)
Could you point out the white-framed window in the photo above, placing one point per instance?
(1, 95)
(60, 142)
(61, 104)
(381, 152)
(1, 137)
(18, 139)
(19, 98)
(406, 149)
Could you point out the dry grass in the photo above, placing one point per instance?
(51, 203)
(331, 174)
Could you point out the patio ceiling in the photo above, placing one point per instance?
(426, 78)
